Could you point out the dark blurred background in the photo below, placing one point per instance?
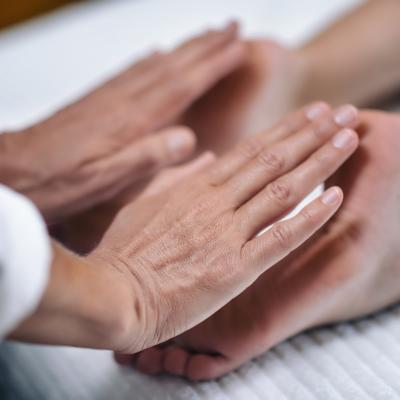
(14, 11)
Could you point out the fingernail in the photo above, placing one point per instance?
(315, 111)
(345, 115)
(343, 139)
(179, 144)
(331, 196)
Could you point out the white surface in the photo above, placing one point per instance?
(48, 62)
(25, 257)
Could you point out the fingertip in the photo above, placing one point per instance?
(233, 26)
(316, 110)
(181, 142)
(347, 116)
(332, 196)
(206, 158)
(346, 139)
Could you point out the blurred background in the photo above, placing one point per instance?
(17, 11)
(51, 51)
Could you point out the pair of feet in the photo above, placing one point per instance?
(348, 269)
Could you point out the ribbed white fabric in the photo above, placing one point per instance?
(25, 257)
(352, 361)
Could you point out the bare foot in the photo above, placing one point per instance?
(348, 270)
(251, 99)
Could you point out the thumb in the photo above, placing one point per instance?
(157, 151)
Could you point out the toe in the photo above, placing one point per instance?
(203, 366)
(175, 360)
(124, 359)
(150, 361)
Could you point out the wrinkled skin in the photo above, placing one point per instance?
(347, 270)
(115, 136)
(248, 101)
(197, 245)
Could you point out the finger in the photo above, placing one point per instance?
(230, 163)
(297, 121)
(155, 152)
(139, 75)
(285, 236)
(285, 155)
(149, 74)
(200, 46)
(177, 91)
(169, 177)
(281, 195)
(139, 160)
(175, 65)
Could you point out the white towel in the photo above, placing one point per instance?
(351, 361)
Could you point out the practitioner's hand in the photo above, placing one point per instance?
(197, 247)
(348, 269)
(94, 148)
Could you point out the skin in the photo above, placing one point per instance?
(255, 96)
(120, 128)
(275, 79)
(330, 278)
(196, 246)
(347, 270)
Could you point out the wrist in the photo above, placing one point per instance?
(84, 304)
(126, 318)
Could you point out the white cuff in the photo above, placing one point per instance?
(25, 258)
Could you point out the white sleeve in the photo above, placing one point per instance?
(25, 258)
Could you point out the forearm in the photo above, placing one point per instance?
(83, 305)
(356, 60)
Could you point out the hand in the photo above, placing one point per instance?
(173, 257)
(94, 148)
(346, 270)
(198, 247)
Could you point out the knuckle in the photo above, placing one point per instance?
(251, 147)
(322, 129)
(282, 235)
(271, 161)
(322, 159)
(307, 214)
(279, 191)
